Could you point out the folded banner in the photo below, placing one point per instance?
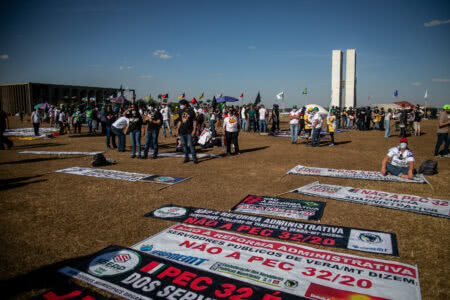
(352, 174)
(59, 153)
(103, 173)
(316, 234)
(281, 207)
(416, 204)
(140, 276)
(303, 271)
(70, 290)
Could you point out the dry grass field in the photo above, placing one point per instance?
(47, 218)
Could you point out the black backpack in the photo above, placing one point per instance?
(428, 167)
(99, 160)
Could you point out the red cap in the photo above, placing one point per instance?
(404, 140)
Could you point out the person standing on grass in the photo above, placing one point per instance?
(165, 112)
(275, 118)
(231, 128)
(252, 118)
(317, 126)
(186, 131)
(294, 116)
(36, 119)
(442, 131)
(387, 123)
(243, 113)
(134, 129)
(153, 119)
(61, 118)
(4, 124)
(119, 128)
(308, 123)
(331, 121)
(262, 119)
(418, 114)
(212, 122)
(110, 118)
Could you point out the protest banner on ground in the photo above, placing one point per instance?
(281, 207)
(140, 276)
(291, 268)
(416, 204)
(29, 132)
(59, 153)
(316, 234)
(70, 290)
(351, 174)
(103, 173)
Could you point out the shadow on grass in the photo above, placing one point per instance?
(20, 184)
(342, 143)
(253, 149)
(39, 145)
(85, 135)
(33, 160)
(46, 277)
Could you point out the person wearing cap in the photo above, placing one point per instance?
(442, 131)
(294, 116)
(308, 123)
(399, 161)
(331, 121)
(186, 129)
(317, 126)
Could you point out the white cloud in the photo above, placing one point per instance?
(125, 68)
(446, 80)
(4, 57)
(436, 23)
(417, 83)
(146, 76)
(251, 47)
(163, 54)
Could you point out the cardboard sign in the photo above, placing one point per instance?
(281, 207)
(411, 203)
(316, 234)
(286, 267)
(352, 174)
(104, 173)
(140, 276)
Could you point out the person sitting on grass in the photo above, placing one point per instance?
(399, 161)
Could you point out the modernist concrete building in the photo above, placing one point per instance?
(24, 96)
(338, 84)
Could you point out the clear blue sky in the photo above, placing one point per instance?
(230, 46)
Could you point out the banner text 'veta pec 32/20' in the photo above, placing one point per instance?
(292, 268)
(294, 231)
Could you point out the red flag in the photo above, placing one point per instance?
(242, 95)
(165, 96)
(194, 101)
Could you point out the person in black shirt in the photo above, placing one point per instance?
(110, 118)
(186, 130)
(153, 118)
(275, 118)
(134, 129)
(418, 114)
(4, 124)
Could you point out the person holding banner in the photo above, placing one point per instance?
(399, 161)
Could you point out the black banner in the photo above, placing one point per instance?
(70, 291)
(281, 207)
(139, 276)
(316, 234)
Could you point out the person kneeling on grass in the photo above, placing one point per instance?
(399, 161)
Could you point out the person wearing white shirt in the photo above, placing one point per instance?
(317, 126)
(262, 119)
(165, 112)
(244, 118)
(387, 123)
(294, 116)
(118, 128)
(212, 122)
(36, 119)
(231, 126)
(399, 161)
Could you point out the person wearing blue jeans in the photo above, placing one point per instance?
(399, 161)
(317, 126)
(186, 130)
(294, 116)
(117, 129)
(135, 136)
(154, 120)
(442, 131)
(212, 123)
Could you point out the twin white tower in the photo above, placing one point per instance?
(337, 82)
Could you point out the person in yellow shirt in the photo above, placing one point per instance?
(331, 121)
(308, 125)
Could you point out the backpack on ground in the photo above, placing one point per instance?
(428, 167)
(99, 160)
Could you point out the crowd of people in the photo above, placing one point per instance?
(194, 125)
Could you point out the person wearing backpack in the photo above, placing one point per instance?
(442, 131)
(399, 161)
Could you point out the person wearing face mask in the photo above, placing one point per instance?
(186, 129)
(154, 120)
(134, 129)
(399, 161)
